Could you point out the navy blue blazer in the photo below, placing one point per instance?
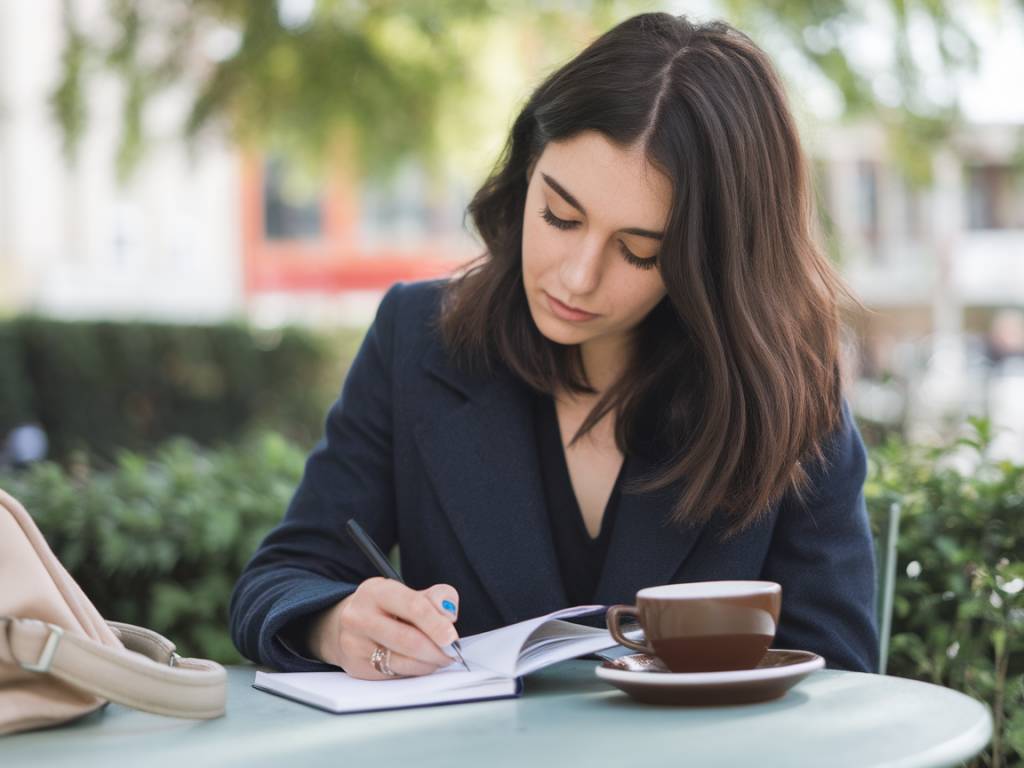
(444, 462)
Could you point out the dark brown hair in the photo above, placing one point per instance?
(739, 362)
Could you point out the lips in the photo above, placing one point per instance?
(566, 312)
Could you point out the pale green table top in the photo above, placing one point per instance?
(566, 716)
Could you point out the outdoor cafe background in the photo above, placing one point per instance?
(201, 204)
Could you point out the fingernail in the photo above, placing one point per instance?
(449, 606)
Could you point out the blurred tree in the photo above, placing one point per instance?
(309, 77)
(382, 78)
(895, 61)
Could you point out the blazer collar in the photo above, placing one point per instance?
(480, 453)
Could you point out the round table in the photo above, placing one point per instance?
(566, 716)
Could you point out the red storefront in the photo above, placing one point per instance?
(317, 247)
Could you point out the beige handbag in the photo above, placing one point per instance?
(60, 660)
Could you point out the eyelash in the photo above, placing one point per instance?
(627, 254)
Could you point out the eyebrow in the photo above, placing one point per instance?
(567, 196)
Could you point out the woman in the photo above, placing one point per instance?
(636, 384)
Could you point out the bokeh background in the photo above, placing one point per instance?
(202, 202)
(284, 162)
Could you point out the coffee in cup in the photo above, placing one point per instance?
(704, 626)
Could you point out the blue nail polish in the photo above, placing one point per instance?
(448, 605)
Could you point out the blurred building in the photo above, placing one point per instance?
(328, 254)
(940, 268)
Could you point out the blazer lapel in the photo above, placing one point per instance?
(480, 454)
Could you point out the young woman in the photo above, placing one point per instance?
(636, 384)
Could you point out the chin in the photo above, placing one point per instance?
(558, 332)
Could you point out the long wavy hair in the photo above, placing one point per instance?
(735, 374)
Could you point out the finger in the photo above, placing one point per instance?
(407, 666)
(414, 608)
(361, 666)
(406, 639)
(444, 598)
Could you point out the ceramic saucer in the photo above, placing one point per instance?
(646, 679)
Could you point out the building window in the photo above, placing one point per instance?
(867, 202)
(995, 199)
(404, 209)
(913, 205)
(290, 212)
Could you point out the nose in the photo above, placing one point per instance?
(580, 271)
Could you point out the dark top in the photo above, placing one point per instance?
(580, 557)
(422, 450)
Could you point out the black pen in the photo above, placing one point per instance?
(375, 556)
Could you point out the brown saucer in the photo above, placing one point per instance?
(646, 679)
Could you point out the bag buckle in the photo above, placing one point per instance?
(45, 659)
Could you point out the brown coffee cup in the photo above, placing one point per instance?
(704, 626)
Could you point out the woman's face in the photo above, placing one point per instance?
(591, 231)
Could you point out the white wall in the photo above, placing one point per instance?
(76, 242)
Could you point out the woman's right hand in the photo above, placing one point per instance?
(384, 612)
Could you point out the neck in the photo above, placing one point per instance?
(605, 361)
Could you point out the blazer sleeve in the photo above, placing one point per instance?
(307, 562)
(822, 553)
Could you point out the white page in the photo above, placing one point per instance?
(499, 650)
(340, 692)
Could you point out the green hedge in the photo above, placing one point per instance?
(102, 386)
(160, 542)
(958, 614)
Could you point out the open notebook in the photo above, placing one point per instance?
(496, 660)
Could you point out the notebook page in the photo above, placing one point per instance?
(339, 692)
(499, 650)
(542, 647)
(558, 649)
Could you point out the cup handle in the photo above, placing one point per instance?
(615, 613)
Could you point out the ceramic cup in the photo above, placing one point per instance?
(704, 626)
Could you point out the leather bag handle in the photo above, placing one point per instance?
(146, 674)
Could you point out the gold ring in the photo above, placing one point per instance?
(381, 661)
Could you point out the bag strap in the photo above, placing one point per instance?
(146, 674)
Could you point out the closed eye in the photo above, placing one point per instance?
(556, 222)
(628, 255)
(637, 261)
